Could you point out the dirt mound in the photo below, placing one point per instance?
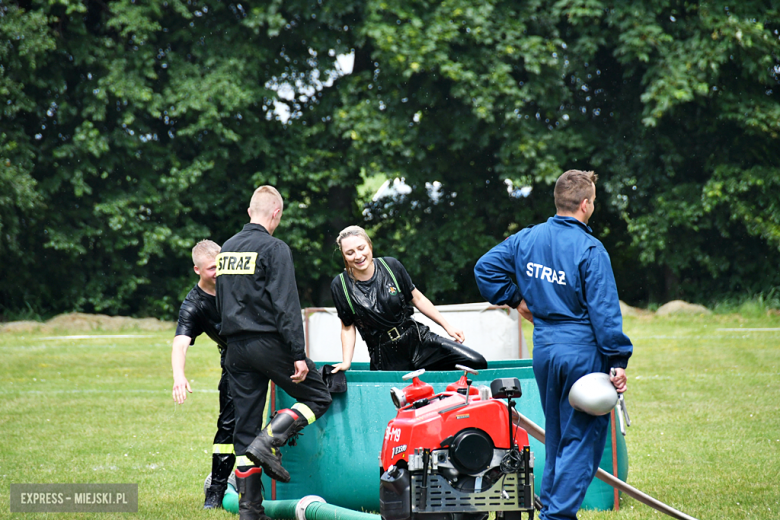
(627, 310)
(21, 326)
(681, 307)
(81, 322)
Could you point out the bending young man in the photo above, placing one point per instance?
(197, 315)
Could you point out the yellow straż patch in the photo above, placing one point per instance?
(236, 263)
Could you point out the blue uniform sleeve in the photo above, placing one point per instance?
(601, 296)
(494, 272)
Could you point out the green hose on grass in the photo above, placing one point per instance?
(313, 508)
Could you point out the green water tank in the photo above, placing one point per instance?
(337, 457)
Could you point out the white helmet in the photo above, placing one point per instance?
(594, 394)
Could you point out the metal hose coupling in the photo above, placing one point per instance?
(300, 507)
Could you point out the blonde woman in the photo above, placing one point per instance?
(376, 297)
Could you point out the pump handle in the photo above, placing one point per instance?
(412, 375)
(467, 369)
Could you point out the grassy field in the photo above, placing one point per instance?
(705, 403)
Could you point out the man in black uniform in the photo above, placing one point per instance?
(257, 298)
(198, 314)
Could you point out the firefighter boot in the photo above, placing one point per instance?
(264, 450)
(250, 494)
(221, 466)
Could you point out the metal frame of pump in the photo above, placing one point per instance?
(455, 455)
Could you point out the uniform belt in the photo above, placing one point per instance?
(396, 332)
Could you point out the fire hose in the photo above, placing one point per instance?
(308, 508)
(313, 508)
(538, 433)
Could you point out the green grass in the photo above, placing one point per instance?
(706, 416)
(100, 411)
(750, 306)
(704, 403)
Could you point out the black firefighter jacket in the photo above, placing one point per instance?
(256, 289)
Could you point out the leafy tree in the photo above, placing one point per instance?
(132, 130)
(675, 104)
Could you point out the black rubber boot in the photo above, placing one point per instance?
(214, 496)
(221, 466)
(250, 494)
(264, 450)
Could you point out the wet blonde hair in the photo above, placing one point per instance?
(205, 249)
(352, 231)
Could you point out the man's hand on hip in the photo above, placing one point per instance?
(524, 312)
(301, 370)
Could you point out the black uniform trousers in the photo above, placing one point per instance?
(227, 415)
(251, 363)
(418, 347)
(223, 458)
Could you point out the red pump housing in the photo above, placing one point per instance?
(463, 382)
(442, 417)
(417, 390)
(456, 455)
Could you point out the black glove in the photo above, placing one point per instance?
(336, 383)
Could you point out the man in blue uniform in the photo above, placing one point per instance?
(566, 287)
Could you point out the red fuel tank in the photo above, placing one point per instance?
(414, 392)
(433, 422)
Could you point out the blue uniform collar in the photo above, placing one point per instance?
(569, 221)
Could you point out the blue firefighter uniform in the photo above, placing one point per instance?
(565, 276)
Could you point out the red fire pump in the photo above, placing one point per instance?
(456, 455)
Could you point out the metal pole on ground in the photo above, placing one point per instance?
(537, 433)
(614, 457)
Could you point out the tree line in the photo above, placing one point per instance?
(131, 130)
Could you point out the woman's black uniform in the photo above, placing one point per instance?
(381, 309)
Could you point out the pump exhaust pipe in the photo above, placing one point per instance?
(538, 433)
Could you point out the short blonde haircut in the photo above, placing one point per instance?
(352, 231)
(204, 250)
(264, 201)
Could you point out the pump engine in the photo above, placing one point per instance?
(456, 455)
